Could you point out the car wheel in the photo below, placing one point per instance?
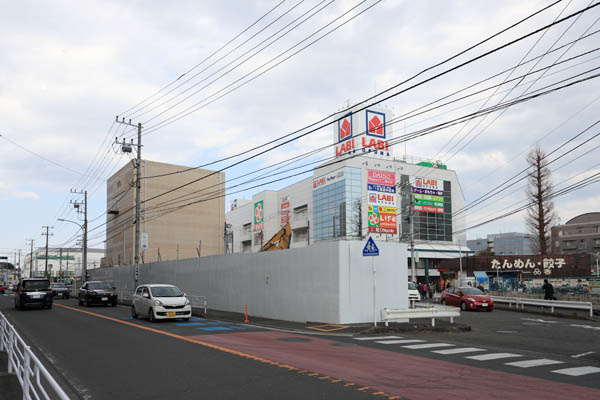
(463, 306)
(50, 307)
(114, 304)
(16, 306)
(67, 297)
(133, 313)
(444, 301)
(185, 319)
(151, 315)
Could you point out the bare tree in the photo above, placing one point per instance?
(541, 215)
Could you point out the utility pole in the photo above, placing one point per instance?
(413, 268)
(30, 258)
(47, 228)
(85, 230)
(126, 148)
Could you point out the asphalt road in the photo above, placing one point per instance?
(103, 353)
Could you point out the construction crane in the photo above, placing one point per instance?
(281, 240)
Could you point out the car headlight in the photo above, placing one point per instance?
(471, 299)
(158, 303)
(187, 302)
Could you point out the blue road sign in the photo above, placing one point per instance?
(370, 248)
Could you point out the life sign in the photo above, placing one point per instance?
(370, 248)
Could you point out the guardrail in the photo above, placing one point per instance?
(520, 301)
(197, 301)
(34, 378)
(422, 311)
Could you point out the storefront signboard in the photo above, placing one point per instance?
(382, 216)
(544, 267)
(328, 179)
(259, 216)
(285, 210)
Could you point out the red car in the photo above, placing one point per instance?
(467, 298)
(1, 288)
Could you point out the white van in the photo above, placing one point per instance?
(413, 292)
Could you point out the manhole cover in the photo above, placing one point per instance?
(294, 339)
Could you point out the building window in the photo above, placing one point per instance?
(582, 244)
(596, 229)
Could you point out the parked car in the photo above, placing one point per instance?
(467, 298)
(12, 287)
(2, 289)
(60, 290)
(160, 302)
(97, 292)
(33, 292)
(413, 292)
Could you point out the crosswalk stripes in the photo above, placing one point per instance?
(533, 363)
(419, 344)
(492, 356)
(404, 341)
(460, 350)
(427, 346)
(577, 371)
(377, 337)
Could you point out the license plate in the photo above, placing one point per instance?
(171, 314)
(37, 296)
(105, 299)
(484, 305)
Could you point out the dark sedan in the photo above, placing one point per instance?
(97, 292)
(60, 290)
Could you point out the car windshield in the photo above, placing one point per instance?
(472, 291)
(36, 285)
(58, 285)
(99, 285)
(166, 291)
(412, 286)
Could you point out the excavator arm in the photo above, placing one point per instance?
(281, 240)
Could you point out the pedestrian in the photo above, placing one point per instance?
(425, 292)
(548, 290)
(480, 287)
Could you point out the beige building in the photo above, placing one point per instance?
(185, 223)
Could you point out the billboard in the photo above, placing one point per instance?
(428, 194)
(363, 132)
(381, 202)
(284, 210)
(259, 216)
(328, 179)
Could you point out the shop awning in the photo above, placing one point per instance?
(480, 276)
(441, 251)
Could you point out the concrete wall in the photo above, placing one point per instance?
(327, 282)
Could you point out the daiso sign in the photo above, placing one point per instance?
(362, 133)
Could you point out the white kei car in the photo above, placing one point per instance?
(160, 302)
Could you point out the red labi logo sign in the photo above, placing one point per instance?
(345, 129)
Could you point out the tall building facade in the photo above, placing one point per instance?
(365, 191)
(515, 243)
(186, 222)
(579, 235)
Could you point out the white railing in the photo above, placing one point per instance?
(552, 304)
(422, 311)
(34, 378)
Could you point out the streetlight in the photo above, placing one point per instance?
(84, 245)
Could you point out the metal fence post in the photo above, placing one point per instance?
(26, 374)
(10, 351)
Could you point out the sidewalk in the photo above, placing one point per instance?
(309, 327)
(10, 388)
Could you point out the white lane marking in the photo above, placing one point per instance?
(583, 354)
(539, 320)
(458, 351)
(377, 338)
(533, 363)
(578, 371)
(506, 332)
(493, 356)
(586, 326)
(400, 341)
(427, 346)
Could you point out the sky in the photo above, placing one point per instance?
(68, 68)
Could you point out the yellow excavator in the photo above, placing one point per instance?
(280, 241)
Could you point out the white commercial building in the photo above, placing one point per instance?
(62, 262)
(365, 191)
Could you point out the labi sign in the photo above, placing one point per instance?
(364, 131)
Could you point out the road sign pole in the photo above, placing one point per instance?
(374, 293)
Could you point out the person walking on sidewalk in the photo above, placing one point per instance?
(548, 290)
